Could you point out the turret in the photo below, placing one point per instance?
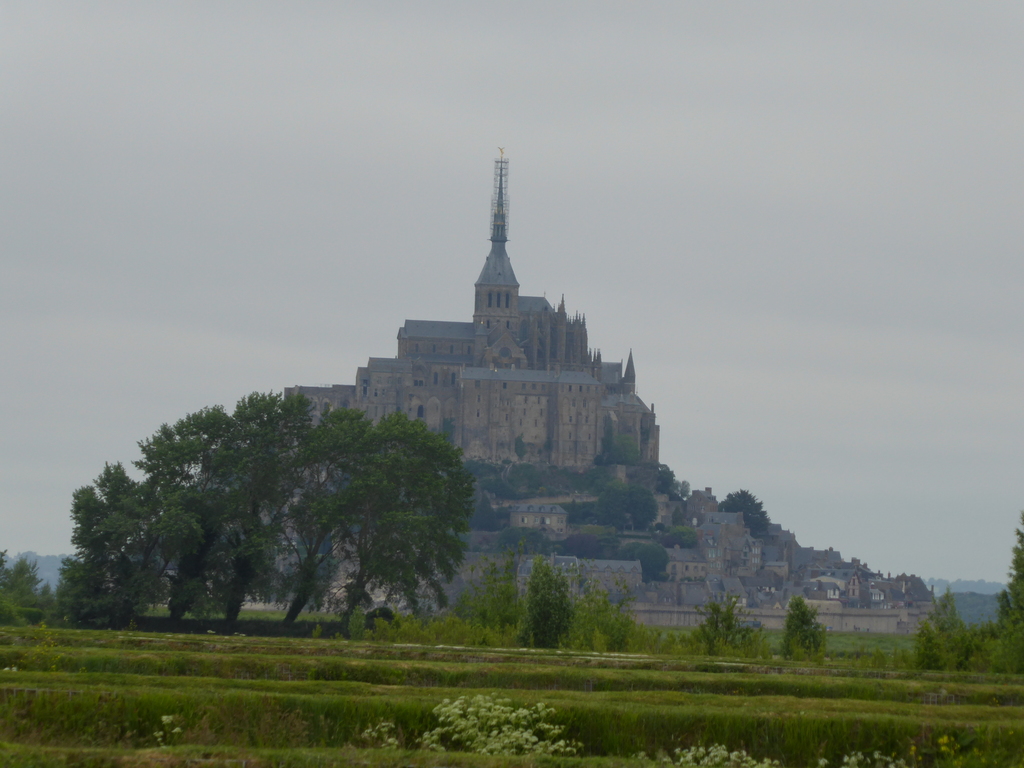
(629, 377)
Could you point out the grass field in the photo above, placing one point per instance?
(70, 697)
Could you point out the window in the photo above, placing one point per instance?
(453, 378)
(533, 386)
(506, 300)
(504, 385)
(488, 323)
(490, 299)
(478, 414)
(478, 398)
(419, 412)
(478, 383)
(435, 377)
(415, 347)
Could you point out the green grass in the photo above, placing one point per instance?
(99, 696)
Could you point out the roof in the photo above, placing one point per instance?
(685, 555)
(388, 364)
(497, 268)
(437, 329)
(534, 304)
(523, 374)
(630, 401)
(623, 566)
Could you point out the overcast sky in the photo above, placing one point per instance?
(806, 220)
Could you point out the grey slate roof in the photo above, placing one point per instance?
(497, 268)
(437, 329)
(522, 374)
(534, 304)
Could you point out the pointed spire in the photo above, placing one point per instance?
(629, 377)
(497, 268)
(499, 204)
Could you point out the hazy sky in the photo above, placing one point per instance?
(806, 220)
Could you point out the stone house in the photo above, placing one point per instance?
(550, 519)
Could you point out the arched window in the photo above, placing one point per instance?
(506, 300)
(419, 412)
(490, 299)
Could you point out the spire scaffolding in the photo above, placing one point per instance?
(499, 201)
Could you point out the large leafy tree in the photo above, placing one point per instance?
(265, 473)
(1011, 599)
(320, 513)
(410, 500)
(115, 574)
(752, 509)
(188, 464)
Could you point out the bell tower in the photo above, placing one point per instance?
(497, 290)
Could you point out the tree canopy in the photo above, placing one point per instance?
(265, 504)
(653, 559)
(752, 509)
(622, 506)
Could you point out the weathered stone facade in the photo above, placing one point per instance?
(519, 383)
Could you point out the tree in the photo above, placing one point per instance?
(621, 505)
(1010, 626)
(802, 635)
(188, 465)
(529, 540)
(679, 535)
(723, 627)
(666, 482)
(944, 641)
(493, 600)
(266, 437)
(752, 509)
(1011, 599)
(653, 559)
(548, 608)
(600, 625)
(484, 517)
(329, 457)
(583, 545)
(411, 498)
(116, 571)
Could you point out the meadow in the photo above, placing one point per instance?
(130, 698)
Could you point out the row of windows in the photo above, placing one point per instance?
(491, 298)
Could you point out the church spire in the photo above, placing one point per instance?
(497, 268)
(499, 202)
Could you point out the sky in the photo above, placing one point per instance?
(805, 220)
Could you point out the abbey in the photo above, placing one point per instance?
(520, 382)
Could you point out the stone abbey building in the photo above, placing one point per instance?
(519, 382)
